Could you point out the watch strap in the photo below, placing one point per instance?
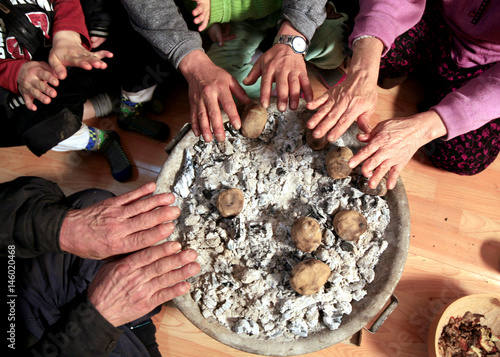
(287, 40)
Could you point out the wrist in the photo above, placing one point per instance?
(366, 57)
(434, 124)
(192, 61)
(67, 234)
(286, 28)
(67, 35)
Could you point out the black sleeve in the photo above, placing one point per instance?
(97, 17)
(32, 211)
(81, 331)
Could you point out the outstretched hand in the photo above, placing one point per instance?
(34, 81)
(128, 288)
(392, 143)
(67, 51)
(119, 225)
(340, 106)
(209, 87)
(288, 69)
(201, 14)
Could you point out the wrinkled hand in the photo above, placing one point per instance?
(67, 51)
(209, 86)
(392, 143)
(96, 41)
(287, 69)
(119, 225)
(128, 288)
(220, 33)
(354, 98)
(201, 14)
(34, 82)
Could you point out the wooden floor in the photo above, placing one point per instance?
(455, 230)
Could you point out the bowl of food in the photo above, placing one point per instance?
(469, 326)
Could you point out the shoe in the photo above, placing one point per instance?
(131, 118)
(121, 168)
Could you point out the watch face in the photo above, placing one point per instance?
(299, 45)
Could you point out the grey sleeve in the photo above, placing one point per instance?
(161, 23)
(305, 16)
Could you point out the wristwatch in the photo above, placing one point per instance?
(297, 43)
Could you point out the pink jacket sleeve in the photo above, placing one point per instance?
(473, 105)
(386, 19)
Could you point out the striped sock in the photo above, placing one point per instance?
(107, 142)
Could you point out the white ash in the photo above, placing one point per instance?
(246, 260)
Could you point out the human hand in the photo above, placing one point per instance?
(119, 225)
(356, 97)
(128, 288)
(288, 69)
(220, 33)
(392, 143)
(96, 41)
(67, 51)
(281, 65)
(209, 86)
(33, 83)
(201, 13)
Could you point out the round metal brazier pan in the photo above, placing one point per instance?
(387, 272)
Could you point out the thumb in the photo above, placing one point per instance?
(58, 67)
(364, 137)
(363, 123)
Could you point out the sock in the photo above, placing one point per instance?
(130, 118)
(107, 142)
(103, 105)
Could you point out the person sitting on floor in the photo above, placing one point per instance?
(457, 45)
(43, 103)
(238, 28)
(90, 268)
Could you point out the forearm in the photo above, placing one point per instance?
(161, 24)
(473, 105)
(366, 58)
(69, 17)
(32, 213)
(9, 72)
(193, 62)
(305, 16)
(386, 19)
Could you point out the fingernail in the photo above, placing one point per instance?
(207, 138)
(191, 255)
(193, 268)
(175, 246)
(220, 44)
(265, 104)
(177, 210)
(220, 138)
(282, 108)
(351, 165)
